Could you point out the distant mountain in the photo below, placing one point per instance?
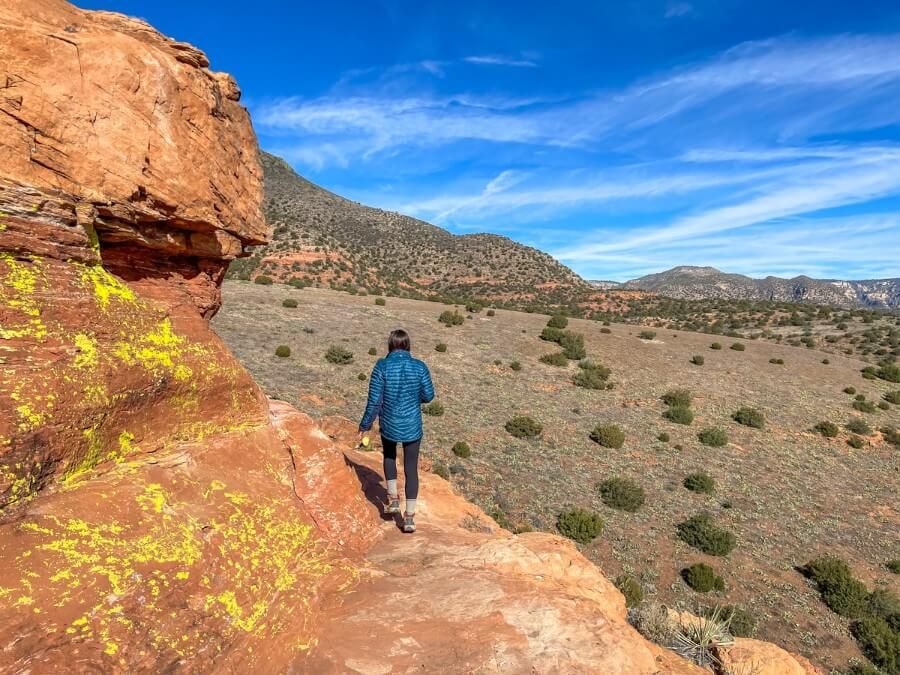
(320, 237)
(604, 285)
(698, 283)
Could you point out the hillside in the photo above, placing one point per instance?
(703, 283)
(322, 237)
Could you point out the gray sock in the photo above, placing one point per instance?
(410, 506)
(392, 487)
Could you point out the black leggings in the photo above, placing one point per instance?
(410, 464)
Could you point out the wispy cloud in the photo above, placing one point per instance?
(676, 9)
(493, 60)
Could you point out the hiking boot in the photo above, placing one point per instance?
(393, 505)
(409, 525)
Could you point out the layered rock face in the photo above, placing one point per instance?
(157, 513)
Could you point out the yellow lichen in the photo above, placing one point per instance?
(87, 351)
(106, 287)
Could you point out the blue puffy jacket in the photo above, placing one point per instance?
(398, 387)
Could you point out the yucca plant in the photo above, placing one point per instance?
(698, 640)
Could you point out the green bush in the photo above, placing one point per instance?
(850, 391)
(451, 318)
(381, 302)
(647, 335)
(697, 360)
(362, 377)
(631, 589)
(679, 414)
(864, 406)
(491, 312)
(843, 594)
(883, 603)
(677, 397)
(573, 345)
(663, 437)
(522, 426)
(283, 351)
(702, 578)
(580, 525)
(884, 405)
(515, 365)
(440, 469)
(738, 346)
(891, 435)
(893, 566)
(289, 302)
(879, 642)
(749, 417)
(608, 435)
(827, 429)
(338, 355)
(372, 351)
(555, 359)
(714, 437)
(622, 494)
(435, 408)
(703, 534)
(461, 449)
(550, 334)
(857, 442)
(700, 482)
(889, 372)
(858, 426)
(558, 321)
(741, 623)
(263, 280)
(779, 362)
(473, 307)
(892, 397)
(716, 345)
(440, 347)
(591, 375)
(605, 331)
(869, 373)
(826, 361)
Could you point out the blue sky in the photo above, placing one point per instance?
(622, 137)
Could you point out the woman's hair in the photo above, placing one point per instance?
(399, 339)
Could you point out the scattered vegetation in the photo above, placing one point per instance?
(451, 318)
(283, 351)
(679, 414)
(557, 359)
(338, 355)
(647, 335)
(622, 494)
(522, 426)
(700, 482)
(515, 365)
(749, 417)
(714, 437)
(263, 280)
(738, 346)
(702, 578)
(701, 532)
(857, 425)
(381, 302)
(440, 347)
(856, 442)
(697, 360)
(289, 302)
(826, 429)
(462, 450)
(580, 525)
(435, 408)
(631, 589)
(716, 345)
(592, 375)
(608, 435)
(558, 321)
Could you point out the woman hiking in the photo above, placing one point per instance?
(397, 388)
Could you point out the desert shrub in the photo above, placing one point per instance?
(381, 302)
(647, 335)
(491, 312)
(697, 360)
(558, 321)
(550, 334)
(882, 602)
(857, 442)
(440, 469)
(295, 282)
(605, 331)
(264, 280)
(435, 408)
(892, 397)
(714, 437)
(515, 365)
(338, 355)
(891, 435)
(289, 302)
(283, 351)
(498, 362)
(522, 426)
(677, 397)
(741, 623)
(308, 330)
(850, 391)
(451, 318)
(573, 345)
(473, 307)
(580, 525)
(858, 426)
(716, 345)
(555, 359)
(700, 482)
(749, 417)
(663, 437)
(362, 377)
(372, 351)
(840, 591)
(702, 578)
(703, 534)
(869, 373)
(859, 397)
(879, 642)
(679, 414)
(864, 406)
(827, 429)
(738, 346)
(889, 372)
(591, 375)
(631, 589)
(461, 449)
(884, 405)
(440, 347)
(622, 493)
(826, 361)
(608, 435)
(893, 566)
(779, 362)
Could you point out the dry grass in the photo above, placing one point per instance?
(792, 494)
